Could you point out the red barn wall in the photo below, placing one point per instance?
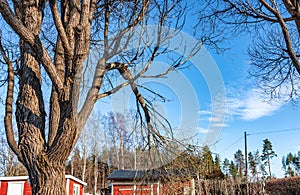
(4, 186)
(71, 185)
(27, 188)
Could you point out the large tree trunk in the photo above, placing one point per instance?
(44, 157)
(48, 180)
(46, 174)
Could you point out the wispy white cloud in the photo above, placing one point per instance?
(203, 130)
(247, 104)
(243, 104)
(204, 112)
(215, 118)
(219, 125)
(252, 105)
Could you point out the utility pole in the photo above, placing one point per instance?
(246, 162)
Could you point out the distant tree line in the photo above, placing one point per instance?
(291, 164)
(259, 167)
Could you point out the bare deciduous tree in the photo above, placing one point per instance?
(274, 53)
(118, 139)
(9, 165)
(55, 38)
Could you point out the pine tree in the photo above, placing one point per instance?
(208, 162)
(252, 165)
(217, 168)
(240, 162)
(226, 165)
(290, 164)
(268, 154)
(233, 170)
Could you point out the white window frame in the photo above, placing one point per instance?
(76, 186)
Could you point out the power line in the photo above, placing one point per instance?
(275, 131)
(232, 144)
(259, 133)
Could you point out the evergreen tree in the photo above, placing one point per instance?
(283, 162)
(233, 170)
(226, 165)
(262, 168)
(258, 162)
(297, 163)
(211, 168)
(290, 164)
(240, 162)
(208, 162)
(252, 165)
(268, 154)
(255, 165)
(217, 168)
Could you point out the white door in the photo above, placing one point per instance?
(15, 188)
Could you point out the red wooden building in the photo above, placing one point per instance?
(151, 182)
(19, 185)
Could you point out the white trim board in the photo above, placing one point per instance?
(13, 178)
(76, 179)
(17, 178)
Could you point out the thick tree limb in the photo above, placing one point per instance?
(17, 8)
(114, 90)
(59, 26)
(105, 33)
(126, 74)
(33, 41)
(293, 8)
(82, 47)
(85, 12)
(92, 93)
(55, 110)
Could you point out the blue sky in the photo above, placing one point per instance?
(191, 107)
(196, 109)
(247, 110)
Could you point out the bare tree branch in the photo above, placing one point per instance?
(293, 8)
(9, 102)
(274, 52)
(286, 35)
(60, 27)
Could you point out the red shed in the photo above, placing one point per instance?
(149, 182)
(19, 185)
